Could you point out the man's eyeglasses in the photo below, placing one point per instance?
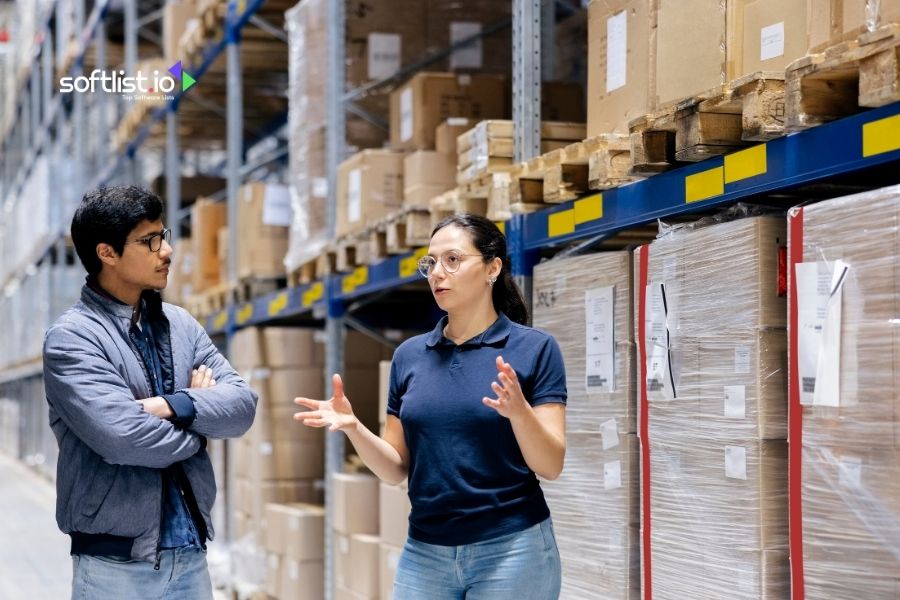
(450, 260)
(154, 242)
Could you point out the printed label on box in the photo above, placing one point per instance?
(736, 462)
(616, 51)
(612, 475)
(385, 54)
(468, 57)
(771, 41)
(609, 434)
(320, 187)
(354, 196)
(735, 402)
(277, 206)
(406, 115)
(600, 346)
(660, 381)
(742, 359)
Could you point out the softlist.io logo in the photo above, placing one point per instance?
(117, 82)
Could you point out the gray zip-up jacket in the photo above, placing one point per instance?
(111, 452)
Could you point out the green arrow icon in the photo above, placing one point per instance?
(187, 82)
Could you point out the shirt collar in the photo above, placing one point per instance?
(494, 334)
(92, 292)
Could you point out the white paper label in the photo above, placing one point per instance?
(616, 539)
(293, 570)
(406, 115)
(393, 559)
(468, 57)
(384, 54)
(599, 320)
(343, 544)
(670, 268)
(616, 51)
(354, 196)
(612, 475)
(771, 41)
(735, 402)
(609, 434)
(277, 206)
(458, 121)
(828, 367)
(736, 462)
(850, 471)
(660, 382)
(320, 187)
(742, 359)
(265, 448)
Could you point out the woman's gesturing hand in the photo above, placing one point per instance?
(335, 413)
(510, 400)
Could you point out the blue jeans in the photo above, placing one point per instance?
(518, 566)
(182, 574)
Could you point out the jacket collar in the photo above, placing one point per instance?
(494, 334)
(93, 294)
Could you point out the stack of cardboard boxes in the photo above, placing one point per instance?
(845, 396)
(356, 542)
(295, 546)
(585, 303)
(712, 373)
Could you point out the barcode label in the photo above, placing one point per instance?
(809, 385)
(654, 385)
(596, 381)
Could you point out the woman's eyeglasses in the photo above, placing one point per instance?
(450, 260)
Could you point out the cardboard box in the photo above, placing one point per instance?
(364, 557)
(384, 382)
(428, 167)
(251, 495)
(264, 216)
(370, 186)
(690, 49)
(562, 101)
(389, 559)
(836, 21)
(394, 509)
(276, 348)
(446, 133)
(768, 35)
(175, 16)
(284, 459)
(207, 217)
(428, 99)
(355, 503)
(296, 531)
(302, 580)
(450, 22)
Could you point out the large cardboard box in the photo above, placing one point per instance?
(355, 503)
(450, 22)
(364, 558)
(275, 348)
(767, 35)
(427, 174)
(446, 133)
(836, 21)
(428, 99)
(619, 65)
(389, 559)
(394, 509)
(285, 459)
(296, 531)
(301, 580)
(207, 217)
(251, 495)
(370, 186)
(264, 218)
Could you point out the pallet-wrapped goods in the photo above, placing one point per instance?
(264, 215)
(844, 399)
(207, 217)
(585, 302)
(710, 327)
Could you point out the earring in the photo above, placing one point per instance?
(492, 281)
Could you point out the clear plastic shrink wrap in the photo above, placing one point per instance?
(585, 302)
(847, 391)
(712, 387)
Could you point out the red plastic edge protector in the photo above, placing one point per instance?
(644, 427)
(795, 413)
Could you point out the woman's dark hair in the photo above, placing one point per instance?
(106, 216)
(491, 243)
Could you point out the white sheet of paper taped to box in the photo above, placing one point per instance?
(771, 41)
(736, 462)
(385, 52)
(600, 345)
(612, 475)
(468, 57)
(277, 209)
(406, 115)
(828, 365)
(616, 51)
(320, 187)
(735, 402)
(660, 383)
(609, 434)
(354, 196)
(742, 359)
(812, 284)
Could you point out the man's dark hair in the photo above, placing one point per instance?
(106, 216)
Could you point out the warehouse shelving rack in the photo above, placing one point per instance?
(864, 146)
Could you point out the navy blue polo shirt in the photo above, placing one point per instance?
(468, 481)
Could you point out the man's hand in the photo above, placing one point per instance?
(157, 406)
(202, 377)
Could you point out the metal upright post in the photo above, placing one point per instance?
(47, 75)
(131, 41)
(100, 98)
(35, 95)
(173, 173)
(526, 90)
(77, 116)
(334, 323)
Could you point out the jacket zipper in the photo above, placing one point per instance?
(162, 509)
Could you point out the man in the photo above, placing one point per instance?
(135, 387)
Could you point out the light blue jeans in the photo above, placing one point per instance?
(183, 574)
(518, 566)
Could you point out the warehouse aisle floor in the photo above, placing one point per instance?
(34, 555)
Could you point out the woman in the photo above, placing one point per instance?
(476, 408)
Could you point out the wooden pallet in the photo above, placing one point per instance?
(210, 301)
(249, 288)
(716, 122)
(845, 79)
